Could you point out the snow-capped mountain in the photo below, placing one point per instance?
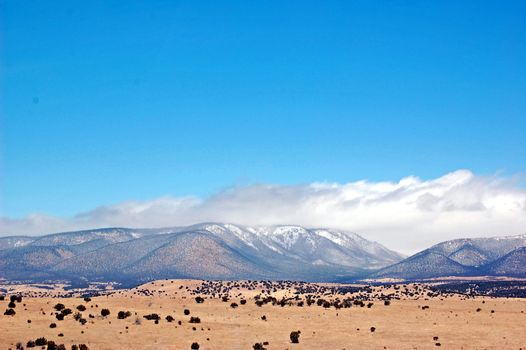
(208, 250)
(321, 246)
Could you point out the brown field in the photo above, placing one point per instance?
(448, 321)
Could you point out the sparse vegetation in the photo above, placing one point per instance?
(195, 320)
(10, 312)
(40, 341)
(121, 315)
(51, 345)
(154, 317)
(104, 312)
(295, 337)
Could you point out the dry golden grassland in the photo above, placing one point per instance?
(411, 320)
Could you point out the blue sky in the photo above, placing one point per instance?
(109, 101)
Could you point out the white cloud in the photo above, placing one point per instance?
(407, 215)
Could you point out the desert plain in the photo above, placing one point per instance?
(191, 314)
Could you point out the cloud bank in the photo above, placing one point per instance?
(407, 215)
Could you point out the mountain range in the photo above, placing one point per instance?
(227, 251)
(204, 251)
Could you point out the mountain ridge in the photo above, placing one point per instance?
(213, 250)
(463, 257)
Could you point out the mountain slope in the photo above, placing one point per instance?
(428, 264)
(463, 257)
(196, 255)
(111, 259)
(27, 261)
(469, 255)
(511, 264)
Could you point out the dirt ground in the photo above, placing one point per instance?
(449, 322)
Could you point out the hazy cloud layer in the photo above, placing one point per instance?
(407, 215)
